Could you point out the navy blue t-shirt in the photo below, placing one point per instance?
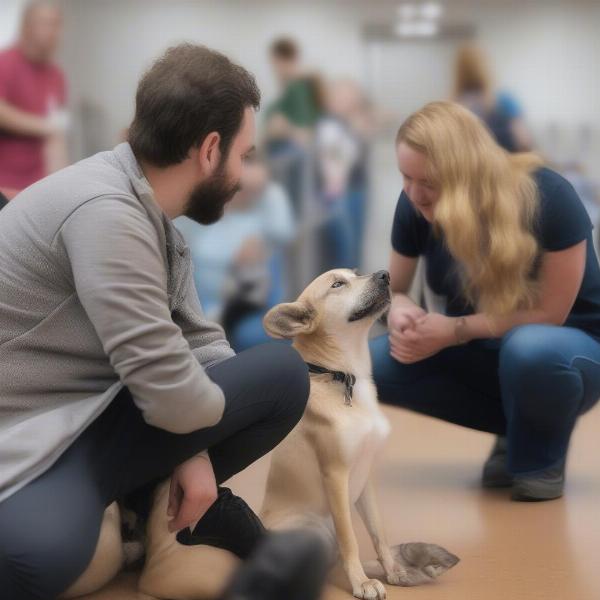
(562, 222)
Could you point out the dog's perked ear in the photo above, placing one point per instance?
(289, 319)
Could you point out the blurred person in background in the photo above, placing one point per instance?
(508, 244)
(474, 88)
(238, 261)
(290, 122)
(292, 117)
(586, 189)
(341, 148)
(33, 119)
(572, 167)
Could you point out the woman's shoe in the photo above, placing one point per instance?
(544, 485)
(495, 470)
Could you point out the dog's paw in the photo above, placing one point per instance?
(430, 559)
(371, 589)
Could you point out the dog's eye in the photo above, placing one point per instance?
(337, 284)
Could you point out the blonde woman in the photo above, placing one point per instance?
(508, 244)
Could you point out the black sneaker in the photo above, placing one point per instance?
(495, 470)
(544, 485)
(290, 565)
(229, 524)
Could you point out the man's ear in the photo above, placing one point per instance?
(289, 320)
(209, 152)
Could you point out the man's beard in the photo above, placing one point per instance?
(206, 202)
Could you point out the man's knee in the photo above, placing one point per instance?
(288, 374)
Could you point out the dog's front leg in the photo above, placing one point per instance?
(395, 571)
(369, 511)
(406, 564)
(335, 481)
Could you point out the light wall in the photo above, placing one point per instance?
(551, 58)
(547, 52)
(111, 42)
(10, 14)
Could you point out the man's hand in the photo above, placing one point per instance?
(55, 153)
(23, 123)
(193, 491)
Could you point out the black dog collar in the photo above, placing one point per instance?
(348, 379)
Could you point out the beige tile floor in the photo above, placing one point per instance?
(428, 482)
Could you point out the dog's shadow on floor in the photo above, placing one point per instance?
(426, 475)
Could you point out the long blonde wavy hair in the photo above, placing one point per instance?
(487, 208)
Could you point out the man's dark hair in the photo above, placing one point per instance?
(285, 48)
(188, 93)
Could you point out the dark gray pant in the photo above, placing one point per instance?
(49, 529)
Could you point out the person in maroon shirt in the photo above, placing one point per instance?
(32, 102)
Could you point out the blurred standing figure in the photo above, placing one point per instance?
(292, 116)
(288, 137)
(473, 88)
(32, 101)
(290, 121)
(342, 136)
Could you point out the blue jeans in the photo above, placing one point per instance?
(249, 331)
(357, 205)
(530, 386)
(336, 238)
(343, 232)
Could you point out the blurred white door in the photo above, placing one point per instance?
(405, 75)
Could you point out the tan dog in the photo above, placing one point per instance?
(317, 473)
(324, 466)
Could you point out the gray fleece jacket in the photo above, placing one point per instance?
(96, 293)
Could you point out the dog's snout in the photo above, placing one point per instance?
(384, 276)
